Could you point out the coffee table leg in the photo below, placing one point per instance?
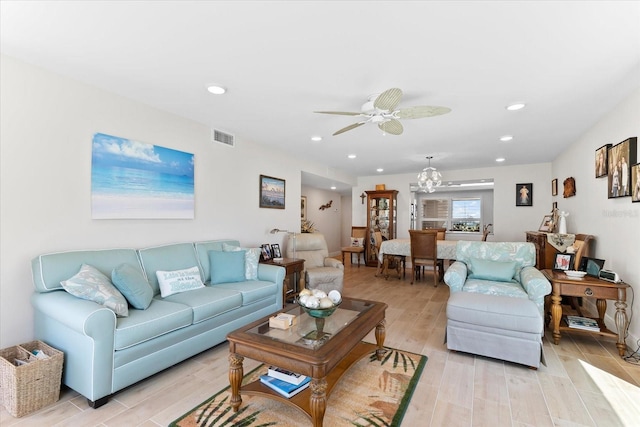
(318, 400)
(236, 372)
(381, 333)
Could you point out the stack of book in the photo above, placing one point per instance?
(585, 323)
(285, 382)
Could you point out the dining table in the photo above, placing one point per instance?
(396, 251)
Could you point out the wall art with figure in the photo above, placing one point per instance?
(524, 194)
(621, 157)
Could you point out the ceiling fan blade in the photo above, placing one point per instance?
(353, 126)
(342, 113)
(389, 99)
(420, 112)
(393, 126)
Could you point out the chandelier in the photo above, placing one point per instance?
(429, 178)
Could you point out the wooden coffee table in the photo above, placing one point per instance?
(324, 360)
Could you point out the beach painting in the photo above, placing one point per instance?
(136, 180)
(272, 192)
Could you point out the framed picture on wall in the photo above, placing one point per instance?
(272, 192)
(621, 157)
(524, 194)
(303, 208)
(554, 187)
(635, 183)
(602, 156)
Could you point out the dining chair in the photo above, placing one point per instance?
(424, 252)
(356, 246)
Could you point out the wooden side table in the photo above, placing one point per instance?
(293, 268)
(591, 287)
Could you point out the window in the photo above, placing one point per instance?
(455, 214)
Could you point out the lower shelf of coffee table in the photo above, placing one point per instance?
(302, 399)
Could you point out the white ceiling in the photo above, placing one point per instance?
(570, 62)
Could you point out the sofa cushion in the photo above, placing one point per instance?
(178, 256)
(159, 318)
(501, 271)
(208, 302)
(251, 259)
(131, 282)
(253, 290)
(227, 266)
(92, 285)
(490, 287)
(177, 281)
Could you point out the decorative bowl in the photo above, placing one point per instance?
(319, 313)
(575, 273)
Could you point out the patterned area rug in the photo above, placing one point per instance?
(371, 393)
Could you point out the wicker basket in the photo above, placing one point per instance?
(32, 386)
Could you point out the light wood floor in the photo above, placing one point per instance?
(585, 383)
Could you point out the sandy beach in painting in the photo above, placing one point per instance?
(136, 207)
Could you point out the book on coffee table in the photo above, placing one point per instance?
(284, 388)
(284, 375)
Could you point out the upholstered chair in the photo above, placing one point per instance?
(321, 272)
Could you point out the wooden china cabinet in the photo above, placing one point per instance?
(381, 216)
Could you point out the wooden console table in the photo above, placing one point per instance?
(293, 269)
(592, 287)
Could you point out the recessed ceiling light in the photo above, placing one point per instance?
(216, 90)
(316, 138)
(333, 187)
(351, 156)
(515, 106)
(500, 159)
(379, 170)
(506, 138)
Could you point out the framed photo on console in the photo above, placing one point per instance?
(563, 262)
(591, 265)
(275, 251)
(266, 252)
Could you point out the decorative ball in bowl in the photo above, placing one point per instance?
(317, 303)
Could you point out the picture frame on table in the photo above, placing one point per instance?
(591, 265)
(547, 224)
(635, 183)
(524, 194)
(275, 250)
(272, 192)
(554, 187)
(621, 157)
(563, 262)
(265, 252)
(602, 159)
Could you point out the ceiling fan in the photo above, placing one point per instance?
(381, 109)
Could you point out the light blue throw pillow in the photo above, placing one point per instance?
(227, 267)
(133, 285)
(499, 271)
(251, 259)
(90, 284)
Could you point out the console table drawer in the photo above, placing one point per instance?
(589, 291)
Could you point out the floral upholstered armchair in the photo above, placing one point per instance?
(498, 268)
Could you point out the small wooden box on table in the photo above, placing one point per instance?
(592, 287)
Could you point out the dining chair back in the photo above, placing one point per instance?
(356, 244)
(424, 252)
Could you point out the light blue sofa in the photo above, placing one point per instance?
(496, 305)
(104, 353)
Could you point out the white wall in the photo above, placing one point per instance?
(615, 223)
(326, 221)
(46, 127)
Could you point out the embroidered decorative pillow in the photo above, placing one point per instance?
(133, 285)
(357, 241)
(227, 267)
(90, 284)
(251, 259)
(174, 282)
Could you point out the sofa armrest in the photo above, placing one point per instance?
(271, 273)
(455, 276)
(534, 283)
(332, 262)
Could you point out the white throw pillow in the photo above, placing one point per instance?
(357, 241)
(174, 282)
(90, 284)
(251, 259)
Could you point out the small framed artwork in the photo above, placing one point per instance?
(524, 194)
(591, 265)
(266, 252)
(635, 183)
(275, 251)
(272, 192)
(602, 154)
(621, 157)
(563, 262)
(303, 208)
(554, 187)
(547, 224)
(569, 187)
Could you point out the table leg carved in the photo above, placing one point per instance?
(556, 315)
(236, 372)
(621, 321)
(318, 400)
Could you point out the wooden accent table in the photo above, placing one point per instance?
(293, 268)
(324, 360)
(593, 287)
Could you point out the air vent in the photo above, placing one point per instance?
(223, 138)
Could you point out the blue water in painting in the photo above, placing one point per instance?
(117, 180)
